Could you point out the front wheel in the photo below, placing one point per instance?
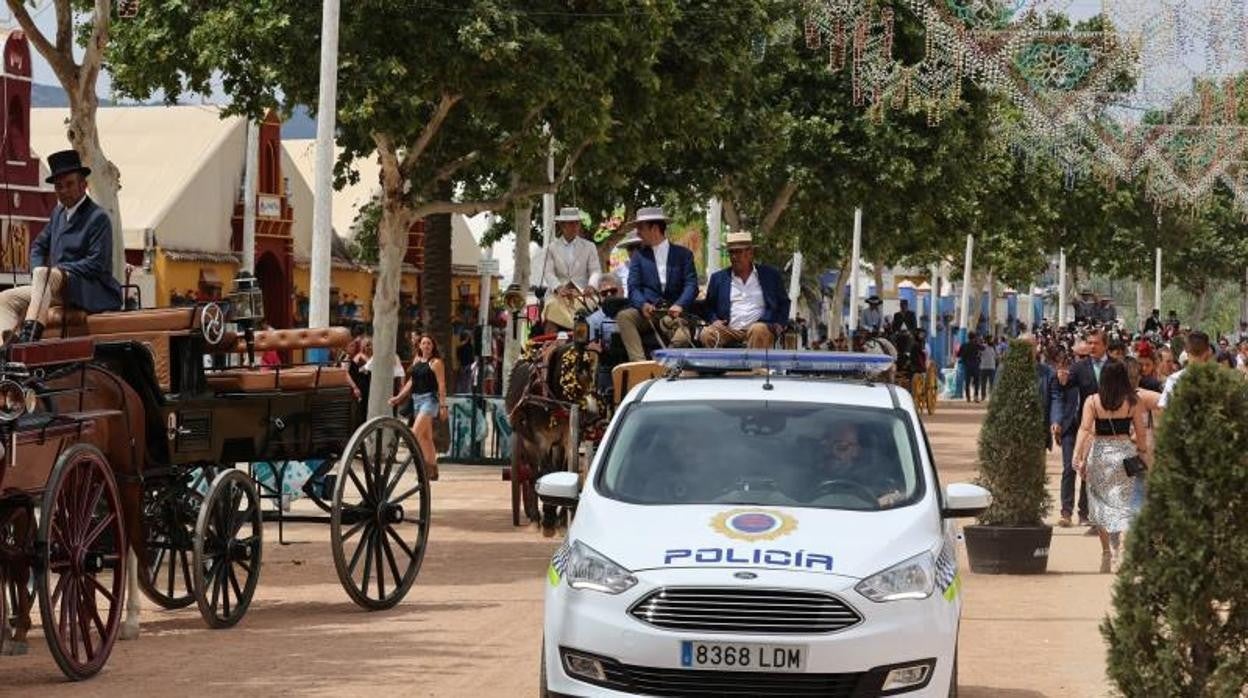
(170, 513)
(380, 515)
(229, 542)
(81, 578)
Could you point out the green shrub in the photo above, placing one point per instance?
(1180, 623)
(1011, 444)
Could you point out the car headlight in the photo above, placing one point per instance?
(913, 579)
(591, 570)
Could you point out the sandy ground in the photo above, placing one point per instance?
(472, 624)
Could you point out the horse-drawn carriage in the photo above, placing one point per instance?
(113, 427)
(914, 372)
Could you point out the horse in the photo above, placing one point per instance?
(542, 389)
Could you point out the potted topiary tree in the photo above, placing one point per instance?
(1180, 623)
(1011, 537)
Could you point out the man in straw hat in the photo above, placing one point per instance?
(630, 244)
(660, 274)
(747, 303)
(569, 265)
(872, 318)
(71, 260)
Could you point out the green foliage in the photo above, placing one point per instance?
(1180, 623)
(366, 225)
(1011, 444)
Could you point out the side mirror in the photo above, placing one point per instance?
(964, 500)
(559, 489)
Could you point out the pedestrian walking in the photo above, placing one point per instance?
(427, 387)
(968, 356)
(987, 370)
(1111, 435)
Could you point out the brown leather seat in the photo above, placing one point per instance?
(151, 320)
(77, 322)
(71, 317)
(246, 380)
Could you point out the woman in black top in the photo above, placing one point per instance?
(426, 384)
(1114, 428)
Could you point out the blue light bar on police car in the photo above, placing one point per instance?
(827, 362)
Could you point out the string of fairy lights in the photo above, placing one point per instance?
(1114, 89)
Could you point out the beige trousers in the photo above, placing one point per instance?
(756, 336)
(632, 325)
(31, 302)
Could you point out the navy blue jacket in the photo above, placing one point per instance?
(775, 298)
(1066, 404)
(83, 250)
(643, 278)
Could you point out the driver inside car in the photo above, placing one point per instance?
(847, 466)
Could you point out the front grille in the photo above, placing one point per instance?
(682, 682)
(736, 610)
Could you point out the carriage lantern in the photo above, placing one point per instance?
(247, 308)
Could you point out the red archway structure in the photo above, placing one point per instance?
(274, 222)
(274, 280)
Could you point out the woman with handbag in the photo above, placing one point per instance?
(1108, 456)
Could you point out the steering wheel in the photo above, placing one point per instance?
(212, 323)
(849, 487)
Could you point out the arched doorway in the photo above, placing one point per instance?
(275, 285)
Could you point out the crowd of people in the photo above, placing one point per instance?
(1103, 390)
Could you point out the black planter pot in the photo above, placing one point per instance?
(1008, 549)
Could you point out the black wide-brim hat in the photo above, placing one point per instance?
(65, 162)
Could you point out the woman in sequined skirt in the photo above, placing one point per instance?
(1113, 428)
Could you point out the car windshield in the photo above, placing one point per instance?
(763, 453)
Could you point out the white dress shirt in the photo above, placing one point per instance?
(1171, 381)
(69, 212)
(746, 304)
(660, 260)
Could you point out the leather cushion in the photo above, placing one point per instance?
(262, 379)
(300, 338)
(153, 320)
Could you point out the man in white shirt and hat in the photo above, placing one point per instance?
(569, 266)
(661, 275)
(747, 304)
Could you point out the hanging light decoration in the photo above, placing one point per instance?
(1115, 104)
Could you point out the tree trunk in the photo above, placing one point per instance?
(391, 247)
(992, 303)
(732, 218)
(877, 271)
(606, 247)
(837, 316)
(436, 305)
(105, 179)
(1202, 305)
(522, 227)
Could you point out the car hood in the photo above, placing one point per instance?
(847, 543)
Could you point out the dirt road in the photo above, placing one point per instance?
(472, 624)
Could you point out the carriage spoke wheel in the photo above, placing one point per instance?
(228, 546)
(81, 580)
(170, 512)
(380, 521)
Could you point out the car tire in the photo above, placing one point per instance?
(543, 691)
(953, 677)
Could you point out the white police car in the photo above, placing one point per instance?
(758, 536)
